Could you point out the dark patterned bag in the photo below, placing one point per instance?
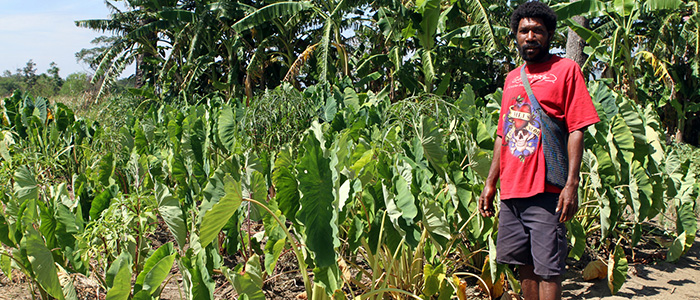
(555, 137)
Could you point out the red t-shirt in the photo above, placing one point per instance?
(560, 89)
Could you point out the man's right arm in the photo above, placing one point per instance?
(486, 199)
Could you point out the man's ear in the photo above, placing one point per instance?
(551, 36)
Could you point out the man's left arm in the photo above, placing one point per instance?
(568, 199)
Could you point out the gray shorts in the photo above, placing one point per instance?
(529, 233)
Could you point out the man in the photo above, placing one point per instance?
(531, 231)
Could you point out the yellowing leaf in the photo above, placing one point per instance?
(595, 270)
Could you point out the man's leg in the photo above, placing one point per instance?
(550, 289)
(536, 288)
(529, 282)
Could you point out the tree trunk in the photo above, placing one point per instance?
(140, 72)
(575, 44)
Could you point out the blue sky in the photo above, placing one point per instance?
(45, 31)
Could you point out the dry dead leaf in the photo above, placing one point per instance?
(596, 269)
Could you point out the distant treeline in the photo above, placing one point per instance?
(49, 84)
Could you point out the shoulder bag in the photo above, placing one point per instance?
(554, 140)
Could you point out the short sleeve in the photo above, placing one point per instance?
(580, 111)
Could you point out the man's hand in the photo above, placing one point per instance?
(486, 201)
(568, 202)
(568, 199)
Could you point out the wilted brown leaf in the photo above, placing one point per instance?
(596, 269)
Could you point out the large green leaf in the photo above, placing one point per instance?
(247, 279)
(640, 190)
(479, 12)
(121, 282)
(431, 141)
(404, 199)
(198, 283)
(221, 212)
(105, 169)
(100, 203)
(42, 263)
(171, 212)
(156, 269)
(269, 13)
(577, 238)
(586, 8)
(677, 248)
(654, 5)
(317, 212)
(227, 128)
(25, 185)
(286, 185)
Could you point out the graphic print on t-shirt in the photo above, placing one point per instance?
(522, 129)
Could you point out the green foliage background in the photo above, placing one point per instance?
(363, 153)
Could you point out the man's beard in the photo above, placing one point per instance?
(544, 51)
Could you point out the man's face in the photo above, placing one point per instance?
(533, 39)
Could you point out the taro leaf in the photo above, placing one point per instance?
(617, 269)
(5, 231)
(64, 116)
(221, 212)
(105, 169)
(351, 99)
(433, 277)
(481, 135)
(112, 276)
(435, 221)
(178, 169)
(25, 185)
(140, 141)
(608, 211)
(405, 201)
(431, 142)
(196, 275)
(276, 237)
(317, 211)
(677, 248)
(356, 232)
(65, 217)
(156, 269)
(328, 278)
(47, 225)
(169, 209)
(686, 222)
(174, 132)
(633, 119)
(247, 280)
(253, 186)
(640, 190)
(42, 263)
(6, 264)
(100, 203)
(623, 137)
(286, 185)
(227, 128)
(143, 295)
(577, 238)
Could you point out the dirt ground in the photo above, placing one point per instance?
(660, 280)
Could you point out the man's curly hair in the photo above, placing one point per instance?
(533, 9)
